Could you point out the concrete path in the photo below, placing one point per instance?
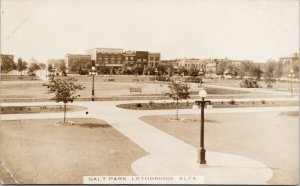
(167, 154)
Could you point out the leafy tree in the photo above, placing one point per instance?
(50, 67)
(7, 65)
(21, 65)
(278, 70)
(33, 67)
(63, 68)
(161, 69)
(88, 65)
(138, 70)
(182, 71)
(296, 69)
(256, 72)
(233, 70)
(194, 72)
(178, 91)
(103, 70)
(64, 90)
(150, 70)
(244, 68)
(269, 73)
(221, 67)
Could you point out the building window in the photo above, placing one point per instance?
(156, 58)
(131, 58)
(151, 58)
(126, 58)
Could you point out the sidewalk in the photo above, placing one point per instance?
(169, 155)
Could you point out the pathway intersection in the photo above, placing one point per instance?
(168, 156)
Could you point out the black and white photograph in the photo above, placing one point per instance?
(149, 92)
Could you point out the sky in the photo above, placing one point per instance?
(237, 29)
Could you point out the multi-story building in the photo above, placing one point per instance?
(153, 59)
(192, 63)
(75, 61)
(106, 56)
(129, 59)
(55, 63)
(141, 58)
(289, 63)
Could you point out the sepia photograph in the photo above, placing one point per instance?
(149, 92)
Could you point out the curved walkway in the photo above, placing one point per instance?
(167, 154)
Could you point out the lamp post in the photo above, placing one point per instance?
(201, 152)
(291, 76)
(156, 73)
(93, 72)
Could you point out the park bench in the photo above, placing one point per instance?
(135, 90)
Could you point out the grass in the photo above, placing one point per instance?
(38, 109)
(269, 137)
(189, 105)
(39, 152)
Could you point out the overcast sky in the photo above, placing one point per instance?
(237, 29)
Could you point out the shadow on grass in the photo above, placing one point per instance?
(292, 113)
(93, 125)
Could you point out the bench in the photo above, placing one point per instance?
(135, 90)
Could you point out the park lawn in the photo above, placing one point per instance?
(39, 109)
(269, 137)
(189, 105)
(35, 89)
(38, 152)
(282, 86)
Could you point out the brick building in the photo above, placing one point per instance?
(75, 62)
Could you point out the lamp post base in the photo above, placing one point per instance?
(201, 156)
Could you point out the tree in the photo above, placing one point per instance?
(244, 68)
(7, 65)
(182, 71)
(33, 67)
(150, 70)
(64, 90)
(88, 65)
(161, 69)
(194, 72)
(63, 68)
(138, 70)
(269, 73)
(256, 72)
(178, 91)
(221, 67)
(49, 68)
(278, 70)
(21, 65)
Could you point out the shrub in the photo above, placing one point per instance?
(263, 101)
(151, 103)
(139, 105)
(232, 102)
(249, 83)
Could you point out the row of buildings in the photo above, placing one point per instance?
(117, 59)
(114, 58)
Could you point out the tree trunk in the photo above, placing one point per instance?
(177, 109)
(65, 111)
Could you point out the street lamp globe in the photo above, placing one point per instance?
(202, 93)
(93, 68)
